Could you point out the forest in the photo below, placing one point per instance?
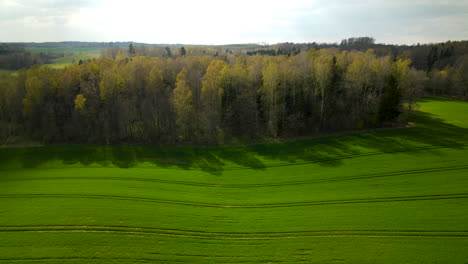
(203, 96)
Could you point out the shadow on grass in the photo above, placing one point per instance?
(429, 135)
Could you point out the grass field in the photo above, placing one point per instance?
(75, 58)
(72, 54)
(3, 71)
(393, 196)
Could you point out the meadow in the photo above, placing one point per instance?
(388, 196)
(73, 58)
(72, 55)
(3, 71)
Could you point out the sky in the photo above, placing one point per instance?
(233, 21)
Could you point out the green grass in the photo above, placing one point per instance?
(75, 58)
(393, 196)
(3, 71)
(72, 54)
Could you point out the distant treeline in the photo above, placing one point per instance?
(423, 57)
(14, 58)
(427, 57)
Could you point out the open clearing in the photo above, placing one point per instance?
(393, 196)
(3, 71)
(73, 59)
(72, 55)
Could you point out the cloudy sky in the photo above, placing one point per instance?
(233, 21)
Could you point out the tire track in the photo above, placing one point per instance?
(125, 260)
(240, 206)
(366, 154)
(260, 185)
(324, 160)
(233, 235)
(40, 227)
(141, 260)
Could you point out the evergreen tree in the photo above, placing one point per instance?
(390, 104)
(131, 50)
(183, 52)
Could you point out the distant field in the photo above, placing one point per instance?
(72, 54)
(67, 60)
(6, 71)
(63, 49)
(394, 196)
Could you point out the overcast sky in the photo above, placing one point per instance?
(233, 21)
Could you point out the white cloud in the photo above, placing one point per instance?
(241, 21)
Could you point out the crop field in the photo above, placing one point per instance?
(388, 196)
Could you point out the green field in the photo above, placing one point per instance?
(75, 58)
(72, 54)
(3, 71)
(389, 196)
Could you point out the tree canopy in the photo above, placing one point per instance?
(213, 99)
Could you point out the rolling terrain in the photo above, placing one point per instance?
(389, 196)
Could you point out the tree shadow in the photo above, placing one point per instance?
(429, 135)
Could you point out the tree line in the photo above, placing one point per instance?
(14, 57)
(426, 57)
(214, 99)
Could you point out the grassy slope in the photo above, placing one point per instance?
(75, 58)
(73, 55)
(77, 54)
(382, 197)
(3, 71)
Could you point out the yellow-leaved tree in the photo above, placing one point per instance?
(183, 104)
(270, 96)
(80, 101)
(323, 75)
(211, 95)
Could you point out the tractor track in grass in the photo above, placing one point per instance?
(241, 206)
(143, 260)
(233, 235)
(113, 260)
(137, 228)
(286, 164)
(319, 160)
(365, 154)
(260, 185)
